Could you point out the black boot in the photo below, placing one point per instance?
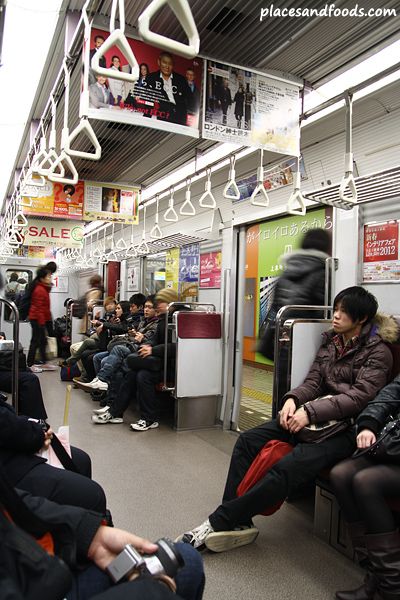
(384, 554)
(367, 590)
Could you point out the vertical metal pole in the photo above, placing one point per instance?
(15, 361)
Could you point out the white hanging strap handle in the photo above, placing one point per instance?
(231, 190)
(52, 155)
(348, 182)
(296, 203)
(184, 15)
(42, 154)
(86, 128)
(121, 243)
(156, 232)
(259, 197)
(131, 250)
(84, 104)
(187, 207)
(143, 247)
(24, 203)
(170, 213)
(116, 38)
(63, 160)
(207, 199)
(19, 220)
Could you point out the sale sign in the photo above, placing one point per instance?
(65, 234)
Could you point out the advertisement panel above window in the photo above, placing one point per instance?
(110, 202)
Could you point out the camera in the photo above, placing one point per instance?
(166, 561)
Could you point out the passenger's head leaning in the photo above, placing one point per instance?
(353, 308)
(163, 298)
(136, 302)
(317, 239)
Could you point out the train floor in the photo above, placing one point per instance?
(161, 483)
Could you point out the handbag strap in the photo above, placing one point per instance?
(63, 455)
(379, 438)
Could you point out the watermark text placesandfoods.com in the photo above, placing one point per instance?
(329, 10)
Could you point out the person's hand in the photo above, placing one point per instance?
(287, 411)
(48, 436)
(139, 337)
(96, 322)
(145, 351)
(299, 420)
(110, 541)
(366, 438)
(99, 329)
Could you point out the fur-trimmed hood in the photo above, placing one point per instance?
(387, 327)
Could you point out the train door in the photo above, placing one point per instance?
(261, 253)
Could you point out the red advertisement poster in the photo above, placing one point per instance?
(210, 270)
(381, 260)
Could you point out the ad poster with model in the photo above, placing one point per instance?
(60, 200)
(166, 96)
(381, 260)
(210, 270)
(250, 109)
(110, 202)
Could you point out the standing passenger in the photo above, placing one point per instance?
(39, 314)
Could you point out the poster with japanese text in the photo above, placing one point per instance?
(60, 200)
(133, 276)
(267, 246)
(381, 259)
(250, 109)
(210, 270)
(53, 233)
(166, 96)
(172, 269)
(189, 258)
(110, 202)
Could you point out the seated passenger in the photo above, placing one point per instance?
(20, 440)
(351, 366)
(362, 487)
(140, 383)
(30, 399)
(86, 547)
(123, 345)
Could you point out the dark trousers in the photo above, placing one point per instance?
(362, 488)
(289, 474)
(87, 361)
(139, 385)
(66, 487)
(30, 399)
(38, 340)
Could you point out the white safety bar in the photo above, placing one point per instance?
(260, 189)
(117, 38)
(170, 213)
(348, 182)
(207, 199)
(187, 207)
(156, 232)
(231, 190)
(184, 15)
(296, 203)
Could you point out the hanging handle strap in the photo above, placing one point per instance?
(184, 15)
(156, 232)
(296, 204)
(187, 207)
(259, 197)
(207, 199)
(348, 184)
(86, 128)
(63, 159)
(170, 213)
(231, 190)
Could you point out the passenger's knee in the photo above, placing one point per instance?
(363, 483)
(340, 476)
(82, 461)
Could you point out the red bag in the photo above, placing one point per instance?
(270, 454)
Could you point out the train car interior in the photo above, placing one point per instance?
(295, 127)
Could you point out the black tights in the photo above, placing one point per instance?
(362, 489)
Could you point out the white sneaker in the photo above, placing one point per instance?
(221, 541)
(95, 384)
(106, 417)
(197, 537)
(49, 367)
(100, 411)
(143, 425)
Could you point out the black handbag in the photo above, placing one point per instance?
(316, 433)
(386, 449)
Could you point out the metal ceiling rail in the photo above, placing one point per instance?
(350, 91)
(370, 188)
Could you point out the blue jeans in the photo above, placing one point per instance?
(190, 580)
(113, 362)
(97, 358)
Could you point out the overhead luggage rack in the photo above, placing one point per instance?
(370, 188)
(173, 241)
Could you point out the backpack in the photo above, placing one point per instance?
(67, 373)
(24, 303)
(79, 307)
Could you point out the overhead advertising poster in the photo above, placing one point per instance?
(133, 276)
(277, 177)
(250, 109)
(210, 270)
(172, 269)
(166, 96)
(60, 200)
(53, 233)
(381, 260)
(189, 264)
(110, 202)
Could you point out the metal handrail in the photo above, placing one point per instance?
(15, 361)
(165, 386)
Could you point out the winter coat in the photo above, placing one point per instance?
(40, 304)
(20, 438)
(352, 380)
(303, 282)
(146, 326)
(380, 409)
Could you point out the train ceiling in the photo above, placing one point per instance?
(311, 49)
